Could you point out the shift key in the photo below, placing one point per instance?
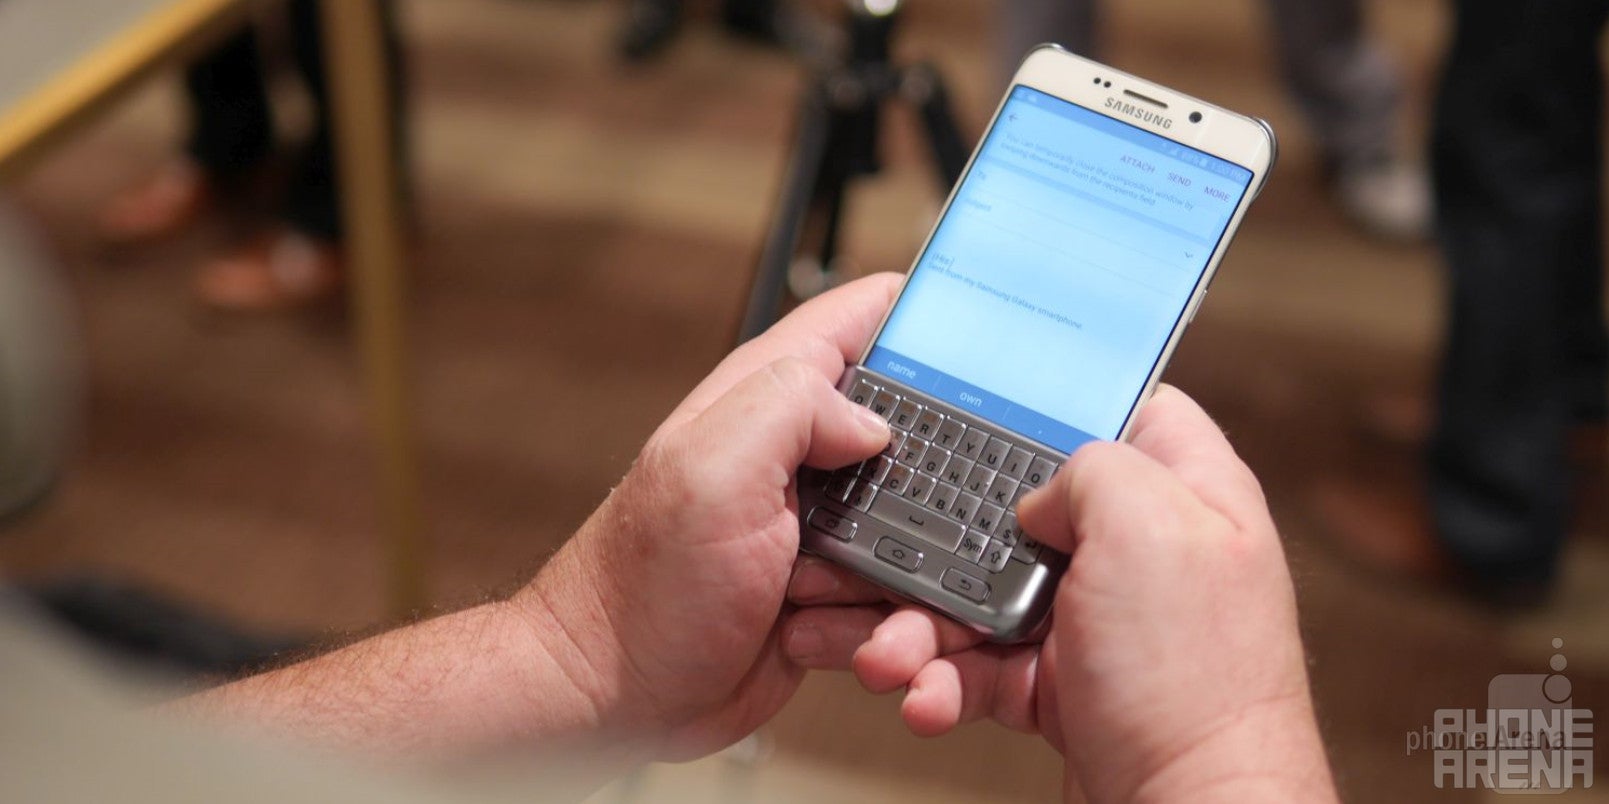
(915, 519)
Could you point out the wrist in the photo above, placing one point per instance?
(576, 657)
(1270, 752)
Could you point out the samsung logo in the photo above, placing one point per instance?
(1139, 113)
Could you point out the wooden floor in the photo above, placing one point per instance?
(587, 233)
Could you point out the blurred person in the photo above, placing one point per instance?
(40, 385)
(1517, 163)
(232, 139)
(41, 406)
(1343, 84)
(652, 24)
(663, 629)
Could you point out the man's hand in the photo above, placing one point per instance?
(1173, 669)
(670, 594)
(651, 634)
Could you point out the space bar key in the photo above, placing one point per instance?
(930, 525)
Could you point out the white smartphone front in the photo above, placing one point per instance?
(1073, 252)
(1039, 315)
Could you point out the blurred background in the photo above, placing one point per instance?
(585, 208)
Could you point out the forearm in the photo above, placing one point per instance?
(471, 682)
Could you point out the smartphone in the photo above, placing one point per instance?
(1039, 315)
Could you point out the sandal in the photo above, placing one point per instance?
(163, 204)
(284, 272)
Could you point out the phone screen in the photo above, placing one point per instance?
(1050, 288)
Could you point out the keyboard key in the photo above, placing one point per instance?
(988, 519)
(862, 393)
(927, 425)
(1022, 491)
(911, 454)
(956, 471)
(972, 443)
(830, 523)
(943, 497)
(912, 518)
(972, 545)
(978, 480)
(1039, 472)
(1017, 463)
(899, 554)
(1009, 531)
(995, 556)
(994, 453)
(875, 469)
(898, 478)
(860, 497)
(1027, 550)
(839, 487)
(1001, 491)
(919, 487)
(934, 461)
(950, 433)
(965, 508)
(883, 404)
(905, 414)
(964, 585)
(894, 445)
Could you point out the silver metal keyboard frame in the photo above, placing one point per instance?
(1018, 597)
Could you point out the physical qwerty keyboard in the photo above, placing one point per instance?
(953, 483)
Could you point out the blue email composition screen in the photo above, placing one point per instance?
(1050, 288)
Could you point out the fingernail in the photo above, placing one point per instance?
(872, 422)
(811, 582)
(804, 642)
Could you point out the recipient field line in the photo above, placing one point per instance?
(1064, 254)
(1026, 209)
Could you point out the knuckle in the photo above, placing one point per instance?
(1167, 394)
(792, 374)
(1091, 467)
(657, 470)
(669, 478)
(1097, 453)
(1247, 551)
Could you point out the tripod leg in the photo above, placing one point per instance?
(923, 86)
(799, 190)
(832, 198)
